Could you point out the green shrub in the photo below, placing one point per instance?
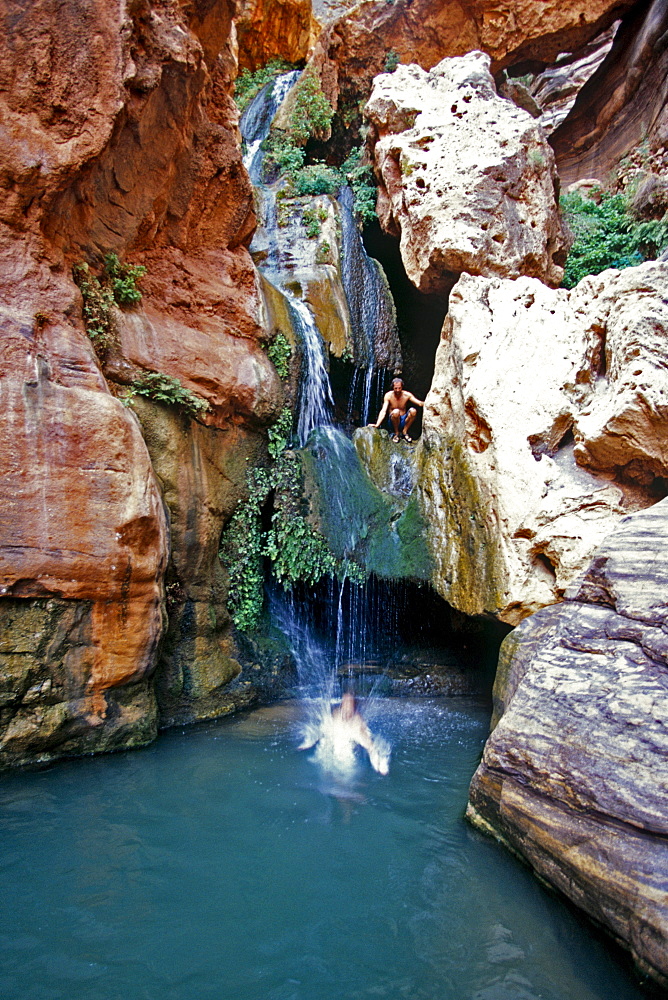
(311, 222)
(116, 285)
(283, 155)
(248, 85)
(323, 253)
(280, 433)
(97, 302)
(311, 111)
(123, 279)
(296, 551)
(391, 61)
(166, 389)
(241, 550)
(279, 353)
(316, 179)
(360, 177)
(606, 236)
(650, 238)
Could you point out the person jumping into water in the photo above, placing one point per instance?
(400, 415)
(347, 722)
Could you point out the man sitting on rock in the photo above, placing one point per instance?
(400, 416)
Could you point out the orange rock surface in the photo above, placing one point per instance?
(353, 49)
(120, 136)
(270, 29)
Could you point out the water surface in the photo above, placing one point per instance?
(221, 863)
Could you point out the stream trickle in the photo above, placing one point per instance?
(315, 393)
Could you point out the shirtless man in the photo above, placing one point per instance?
(347, 723)
(401, 417)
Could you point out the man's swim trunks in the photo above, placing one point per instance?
(402, 421)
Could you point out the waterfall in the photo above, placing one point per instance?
(257, 118)
(315, 397)
(326, 662)
(372, 314)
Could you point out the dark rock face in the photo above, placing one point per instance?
(574, 777)
(622, 103)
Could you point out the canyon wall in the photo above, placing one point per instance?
(121, 137)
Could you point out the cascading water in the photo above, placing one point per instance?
(376, 349)
(257, 118)
(315, 396)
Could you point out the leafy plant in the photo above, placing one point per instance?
(166, 389)
(242, 552)
(391, 61)
(311, 111)
(123, 280)
(116, 285)
(360, 177)
(296, 550)
(97, 302)
(606, 235)
(316, 179)
(311, 116)
(248, 85)
(324, 253)
(280, 433)
(311, 222)
(650, 238)
(284, 156)
(279, 353)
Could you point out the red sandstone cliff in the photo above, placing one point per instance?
(119, 134)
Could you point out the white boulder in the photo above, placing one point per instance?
(467, 179)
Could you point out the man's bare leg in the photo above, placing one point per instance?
(410, 417)
(395, 416)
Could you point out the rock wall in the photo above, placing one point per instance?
(274, 29)
(121, 137)
(202, 476)
(353, 49)
(623, 103)
(543, 426)
(571, 778)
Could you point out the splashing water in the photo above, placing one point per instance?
(333, 725)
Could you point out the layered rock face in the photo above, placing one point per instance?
(467, 178)
(202, 475)
(557, 87)
(353, 50)
(542, 427)
(572, 777)
(622, 104)
(120, 137)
